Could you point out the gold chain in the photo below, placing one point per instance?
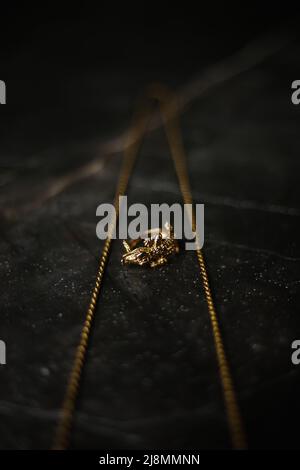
(168, 107)
(63, 431)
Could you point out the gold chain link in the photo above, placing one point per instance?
(168, 107)
(63, 431)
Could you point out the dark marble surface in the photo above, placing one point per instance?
(151, 379)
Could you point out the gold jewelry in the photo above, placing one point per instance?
(169, 112)
(153, 249)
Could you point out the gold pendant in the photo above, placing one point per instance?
(153, 249)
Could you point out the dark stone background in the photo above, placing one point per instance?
(151, 379)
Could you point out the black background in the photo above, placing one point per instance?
(72, 75)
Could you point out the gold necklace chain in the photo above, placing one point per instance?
(168, 108)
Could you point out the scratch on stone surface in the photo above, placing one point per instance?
(261, 251)
(58, 185)
(222, 200)
(250, 205)
(9, 408)
(6, 408)
(127, 429)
